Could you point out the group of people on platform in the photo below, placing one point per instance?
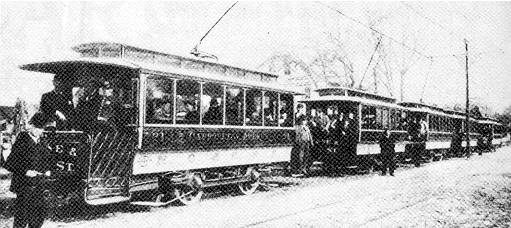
(30, 161)
(312, 131)
(83, 107)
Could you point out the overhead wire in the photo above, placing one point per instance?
(375, 30)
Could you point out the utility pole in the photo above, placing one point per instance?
(467, 105)
(401, 86)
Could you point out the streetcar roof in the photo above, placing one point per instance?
(354, 99)
(73, 64)
(64, 65)
(85, 48)
(351, 92)
(421, 107)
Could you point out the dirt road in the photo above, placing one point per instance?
(456, 192)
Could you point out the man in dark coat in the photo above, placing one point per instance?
(29, 162)
(57, 104)
(387, 146)
(192, 115)
(351, 134)
(85, 115)
(416, 145)
(301, 157)
(214, 115)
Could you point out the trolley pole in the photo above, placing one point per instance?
(467, 105)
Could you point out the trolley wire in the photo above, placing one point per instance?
(429, 19)
(375, 30)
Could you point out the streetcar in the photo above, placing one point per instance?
(167, 124)
(371, 114)
(443, 129)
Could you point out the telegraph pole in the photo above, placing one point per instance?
(467, 105)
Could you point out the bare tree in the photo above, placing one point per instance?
(288, 64)
(334, 67)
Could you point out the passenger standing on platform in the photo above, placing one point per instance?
(303, 141)
(299, 111)
(321, 136)
(387, 146)
(323, 121)
(30, 162)
(87, 110)
(351, 134)
(338, 131)
(57, 104)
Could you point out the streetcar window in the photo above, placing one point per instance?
(234, 105)
(442, 123)
(368, 117)
(270, 108)
(395, 116)
(212, 109)
(187, 102)
(432, 123)
(385, 117)
(160, 101)
(253, 114)
(286, 110)
(404, 121)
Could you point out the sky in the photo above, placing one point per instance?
(252, 32)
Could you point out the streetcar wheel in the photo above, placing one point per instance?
(248, 188)
(191, 192)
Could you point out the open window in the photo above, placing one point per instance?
(286, 118)
(212, 109)
(270, 108)
(187, 102)
(234, 105)
(254, 111)
(160, 101)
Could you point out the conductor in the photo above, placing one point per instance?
(29, 162)
(57, 104)
(387, 145)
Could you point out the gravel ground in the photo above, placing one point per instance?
(450, 193)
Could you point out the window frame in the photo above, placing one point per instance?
(175, 78)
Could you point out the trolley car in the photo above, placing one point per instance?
(166, 123)
(371, 115)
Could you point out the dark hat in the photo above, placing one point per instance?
(39, 120)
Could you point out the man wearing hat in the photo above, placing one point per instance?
(300, 155)
(85, 115)
(30, 161)
(57, 104)
(387, 146)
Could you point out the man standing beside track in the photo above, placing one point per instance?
(30, 162)
(387, 146)
(300, 157)
(416, 142)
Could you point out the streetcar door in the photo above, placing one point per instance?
(110, 166)
(112, 152)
